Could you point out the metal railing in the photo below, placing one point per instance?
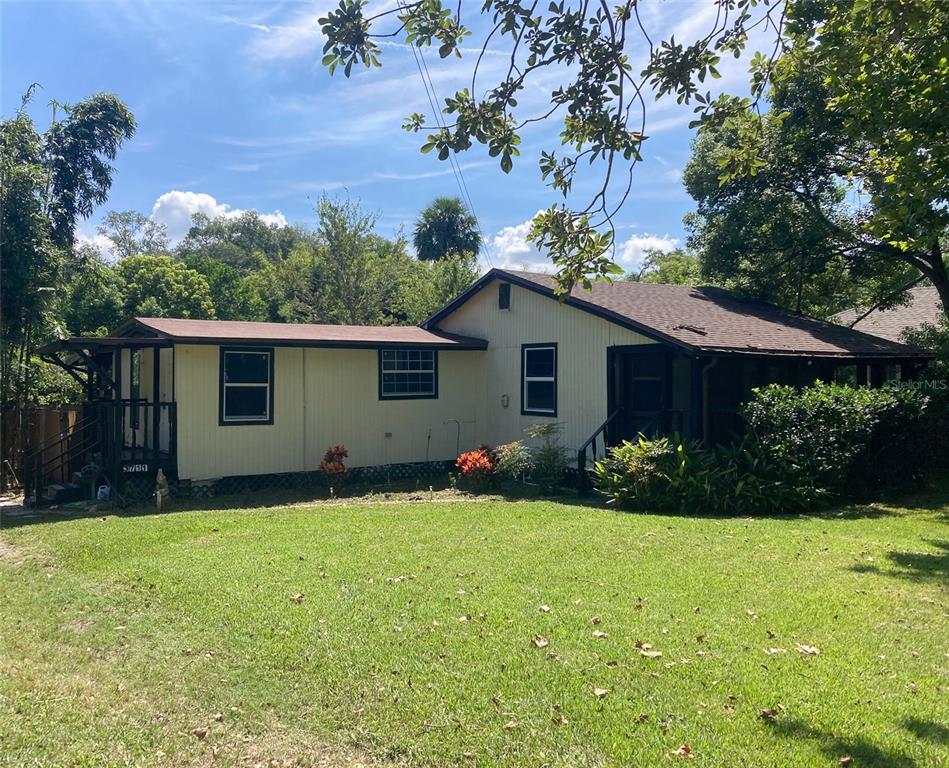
(582, 479)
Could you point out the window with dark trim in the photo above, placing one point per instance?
(246, 392)
(408, 373)
(504, 296)
(539, 379)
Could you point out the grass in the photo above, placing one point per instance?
(404, 634)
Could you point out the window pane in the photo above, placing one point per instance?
(539, 362)
(246, 367)
(649, 365)
(540, 396)
(245, 403)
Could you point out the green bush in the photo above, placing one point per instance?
(801, 449)
(673, 476)
(550, 459)
(513, 461)
(836, 440)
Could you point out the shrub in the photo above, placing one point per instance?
(477, 468)
(333, 468)
(550, 460)
(514, 461)
(833, 439)
(801, 449)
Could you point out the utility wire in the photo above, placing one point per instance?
(433, 101)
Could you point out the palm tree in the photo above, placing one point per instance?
(446, 228)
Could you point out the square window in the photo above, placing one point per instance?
(408, 373)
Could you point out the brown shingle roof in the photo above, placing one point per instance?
(234, 331)
(708, 319)
(923, 307)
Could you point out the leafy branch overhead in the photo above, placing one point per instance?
(883, 68)
(599, 97)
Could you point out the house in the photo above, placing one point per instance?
(923, 307)
(204, 400)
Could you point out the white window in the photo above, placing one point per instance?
(246, 395)
(408, 373)
(539, 379)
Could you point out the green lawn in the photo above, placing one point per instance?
(409, 634)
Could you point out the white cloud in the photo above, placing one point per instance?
(510, 249)
(633, 250)
(98, 241)
(174, 209)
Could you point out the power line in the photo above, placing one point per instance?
(433, 101)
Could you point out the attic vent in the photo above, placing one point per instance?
(694, 328)
(504, 296)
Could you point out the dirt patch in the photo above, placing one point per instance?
(9, 553)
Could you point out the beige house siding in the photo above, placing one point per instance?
(582, 340)
(322, 397)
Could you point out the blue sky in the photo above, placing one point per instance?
(235, 112)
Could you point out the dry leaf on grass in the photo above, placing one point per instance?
(807, 650)
(684, 751)
(598, 634)
(510, 725)
(774, 651)
(768, 714)
(600, 692)
(845, 760)
(200, 732)
(594, 620)
(544, 609)
(540, 641)
(297, 598)
(559, 719)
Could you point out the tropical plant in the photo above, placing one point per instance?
(333, 467)
(446, 228)
(477, 468)
(514, 461)
(549, 458)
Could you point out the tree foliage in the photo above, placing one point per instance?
(445, 228)
(132, 233)
(676, 267)
(581, 57)
(159, 286)
(883, 65)
(837, 194)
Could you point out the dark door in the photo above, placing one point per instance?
(640, 384)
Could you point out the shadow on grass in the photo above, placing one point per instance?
(927, 730)
(917, 566)
(863, 751)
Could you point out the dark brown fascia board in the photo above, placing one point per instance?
(443, 346)
(584, 306)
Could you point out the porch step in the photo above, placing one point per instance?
(60, 493)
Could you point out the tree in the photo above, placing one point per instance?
(234, 296)
(856, 142)
(159, 286)
(445, 228)
(93, 297)
(583, 60)
(793, 206)
(239, 241)
(675, 267)
(133, 233)
(359, 271)
(47, 183)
